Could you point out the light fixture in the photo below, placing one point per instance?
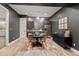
(42, 19)
(30, 19)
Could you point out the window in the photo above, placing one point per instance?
(63, 23)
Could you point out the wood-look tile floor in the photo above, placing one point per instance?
(18, 48)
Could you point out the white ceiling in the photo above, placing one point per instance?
(34, 11)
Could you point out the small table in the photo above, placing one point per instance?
(37, 43)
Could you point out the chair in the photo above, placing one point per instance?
(30, 40)
(43, 40)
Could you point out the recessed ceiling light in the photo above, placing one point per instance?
(30, 19)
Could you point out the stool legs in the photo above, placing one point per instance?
(29, 46)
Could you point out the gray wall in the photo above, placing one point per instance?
(13, 24)
(73, 23)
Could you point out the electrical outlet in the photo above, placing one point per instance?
(74, 44)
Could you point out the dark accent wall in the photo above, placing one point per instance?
(13, 24)
(73, 23)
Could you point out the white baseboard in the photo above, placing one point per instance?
(13, 41)
(16, 40)
(74, 50)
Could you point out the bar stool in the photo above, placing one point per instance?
(30, 41)
(43, 40)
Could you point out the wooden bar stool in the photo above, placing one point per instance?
(43, 41)
(30, 41)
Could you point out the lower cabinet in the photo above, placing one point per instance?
(65, 42)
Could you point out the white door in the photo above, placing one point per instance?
(23, 27)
